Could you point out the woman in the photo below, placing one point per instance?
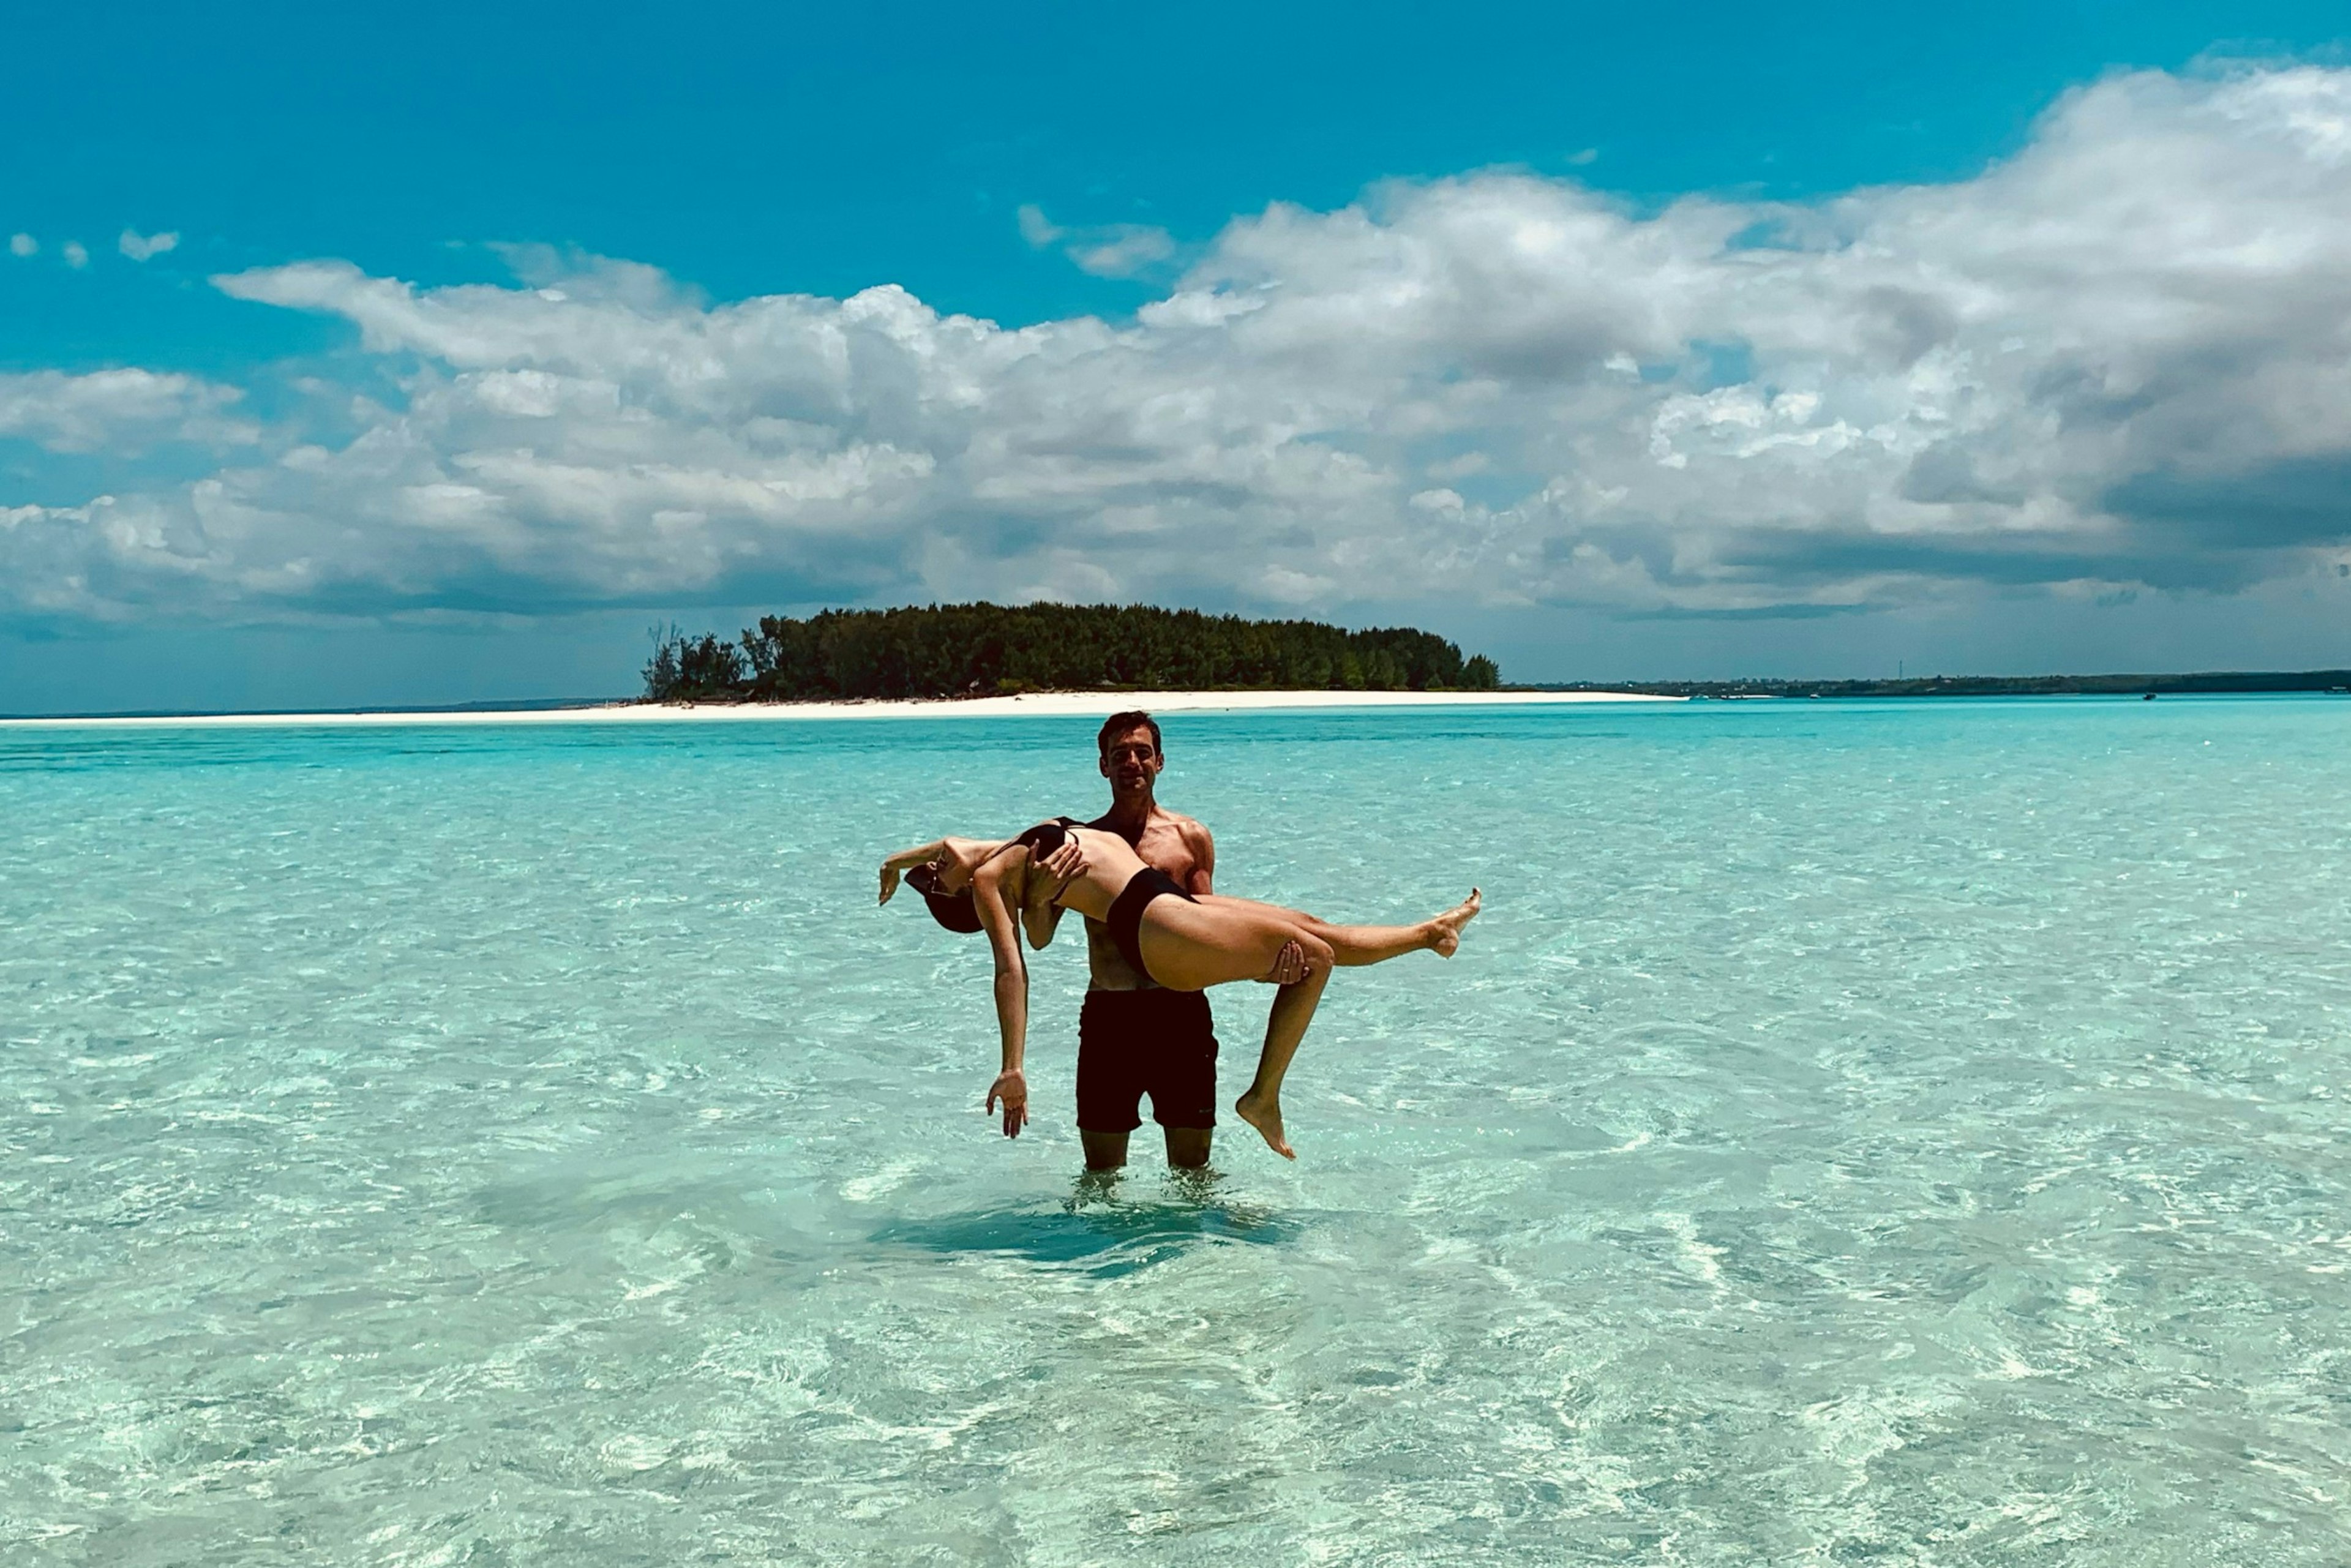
(1184, 941)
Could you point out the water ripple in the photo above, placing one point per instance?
(1856, 1132)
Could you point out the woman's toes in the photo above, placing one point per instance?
(1266, 1117)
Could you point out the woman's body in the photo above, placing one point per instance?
(1183, 942)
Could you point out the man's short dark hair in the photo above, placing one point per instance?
(1118, 724)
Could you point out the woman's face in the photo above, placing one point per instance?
(953, 870)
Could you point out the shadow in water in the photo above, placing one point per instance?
(1096, 1232)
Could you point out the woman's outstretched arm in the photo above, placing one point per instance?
(906, 860)
(970, 851)
(996, 917)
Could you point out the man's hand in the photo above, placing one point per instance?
(1012, 1086)
(888, 882)
(1289, 966)
(1068, 863)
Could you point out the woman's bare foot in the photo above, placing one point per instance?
(1444, 930)
(1265, 1116)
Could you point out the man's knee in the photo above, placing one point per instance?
(1104, 1151)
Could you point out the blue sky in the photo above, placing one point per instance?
(1034, 170)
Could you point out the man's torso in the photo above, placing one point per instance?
(1167, 843)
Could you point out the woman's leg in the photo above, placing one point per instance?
(1191, 947)
(1293, 1008)
(1353, 945)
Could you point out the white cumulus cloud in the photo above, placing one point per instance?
(1108, 250)
(122, 410)
(2119, 361)
(142, 248)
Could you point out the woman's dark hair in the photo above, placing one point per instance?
(1118, 724)
(956, 911)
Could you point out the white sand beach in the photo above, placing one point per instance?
(1034, 704)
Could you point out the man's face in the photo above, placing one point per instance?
(1132, 761)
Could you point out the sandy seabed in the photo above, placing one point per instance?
(1034, 704)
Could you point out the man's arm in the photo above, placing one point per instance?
(1203, 845)
(1039, 916)
(1290, 964)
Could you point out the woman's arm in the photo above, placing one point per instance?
(906, 860)
(988, 895)
(972, 852)
(1039, 914)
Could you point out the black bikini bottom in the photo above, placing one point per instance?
(1125, 919)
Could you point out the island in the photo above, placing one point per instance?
(996, 649)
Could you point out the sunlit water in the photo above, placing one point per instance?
(1855, 1133)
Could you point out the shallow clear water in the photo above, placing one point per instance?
(1898, 1134)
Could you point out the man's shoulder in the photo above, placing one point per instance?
(1192, 828)
(1185, 851)
(1199, 845)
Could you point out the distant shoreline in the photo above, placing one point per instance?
(1031, 705)
(1073, 705)
(2208, 682)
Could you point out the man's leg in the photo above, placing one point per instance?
(1182, 1076)
(1188, 1147)
(1110, 1090)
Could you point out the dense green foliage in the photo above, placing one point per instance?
(973, 650)
(693, 669)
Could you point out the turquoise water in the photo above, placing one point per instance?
(1903, 1134)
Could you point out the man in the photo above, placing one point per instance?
(1135, 1037)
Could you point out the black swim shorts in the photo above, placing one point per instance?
(1157, 1043)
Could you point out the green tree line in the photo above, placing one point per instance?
(985, 650)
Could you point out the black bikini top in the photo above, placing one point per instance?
(1046, 837)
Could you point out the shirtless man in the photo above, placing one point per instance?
(1133, 1037)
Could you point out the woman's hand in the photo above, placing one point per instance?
(895, 866)
(1012, 1086)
